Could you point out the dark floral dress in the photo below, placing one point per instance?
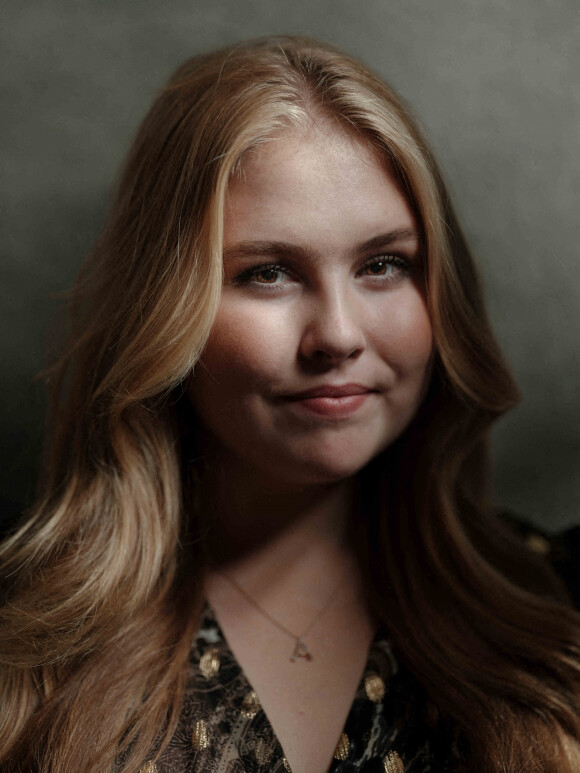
(391, 728)
(223, 728)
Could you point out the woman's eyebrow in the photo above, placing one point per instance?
(388, 238)
(270, 249)
(266, 249)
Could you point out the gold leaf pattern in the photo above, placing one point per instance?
(263, 752)
(250, 705)
(393, 763)
(537, 543)
(200, 737)
(342, 748)
(374, 688)
(209, 663)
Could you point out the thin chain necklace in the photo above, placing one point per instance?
(300, 648)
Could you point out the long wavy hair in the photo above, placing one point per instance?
(102, 581)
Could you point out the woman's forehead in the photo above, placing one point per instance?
(265, 164)
(322, 191)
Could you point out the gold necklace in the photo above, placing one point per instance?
(300, 648)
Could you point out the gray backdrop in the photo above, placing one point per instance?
(494, 83)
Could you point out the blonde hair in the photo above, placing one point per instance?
(101, 602)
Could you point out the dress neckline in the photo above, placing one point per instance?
(390, 727)
(380, 667)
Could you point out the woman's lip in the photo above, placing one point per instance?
(331, 402)
(330, 391)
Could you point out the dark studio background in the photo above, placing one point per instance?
(495, 83)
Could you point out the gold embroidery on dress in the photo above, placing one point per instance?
(148, 767)
(537, 543)
(342, 748)
(286, 765)
(209, 663)
(374, 688)
(393, 763)
(263, 752)
(250, 705)
(200, 736)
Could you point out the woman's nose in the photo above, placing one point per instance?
(332, 328)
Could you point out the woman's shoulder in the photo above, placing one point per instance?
(560, 549)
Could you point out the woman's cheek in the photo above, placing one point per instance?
(403, 333)
(249, 344)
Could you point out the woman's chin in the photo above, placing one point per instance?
(325, 470)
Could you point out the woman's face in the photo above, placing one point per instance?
(320, 352)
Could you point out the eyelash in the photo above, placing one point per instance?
(250, 274)
(391, 260)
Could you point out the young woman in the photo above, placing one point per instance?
(264, 540)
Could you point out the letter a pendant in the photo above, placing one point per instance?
(300, 651)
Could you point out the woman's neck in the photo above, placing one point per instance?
(257, 529)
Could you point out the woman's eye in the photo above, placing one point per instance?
(390, 267)
(263, 275)
(267, 276)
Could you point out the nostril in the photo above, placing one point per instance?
(341, 354)
(332, 350)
